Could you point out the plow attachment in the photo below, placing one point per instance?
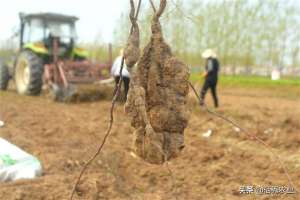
(82, 92)
(78, 81)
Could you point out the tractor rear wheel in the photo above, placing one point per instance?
(4, 76)
(29, 73)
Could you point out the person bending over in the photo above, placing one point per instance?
(115, 72)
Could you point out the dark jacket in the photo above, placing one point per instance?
(212, 69)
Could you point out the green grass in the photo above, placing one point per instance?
(251, 81)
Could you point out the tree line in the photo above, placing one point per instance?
(244, 33)
(248, 33)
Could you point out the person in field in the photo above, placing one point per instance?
(211, 76)
(115, 72)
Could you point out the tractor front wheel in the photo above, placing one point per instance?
(29, 73)
(4, 76)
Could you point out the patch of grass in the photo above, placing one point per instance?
(287, 88)
(251, 81)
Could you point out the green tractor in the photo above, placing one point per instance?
(48, 56)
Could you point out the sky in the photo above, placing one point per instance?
(97, 17)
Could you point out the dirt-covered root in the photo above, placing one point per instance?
(132, 50)
(157, 101)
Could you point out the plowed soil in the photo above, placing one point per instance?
(64, 136)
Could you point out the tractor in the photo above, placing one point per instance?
(48, 57)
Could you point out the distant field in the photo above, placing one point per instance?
(287, 88)
(251, 81)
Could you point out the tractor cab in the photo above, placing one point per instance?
(39, 31)
(49, 57)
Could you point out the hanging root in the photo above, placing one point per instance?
(106, 134)
(132, 51)
(162, 6)
(112, 107)
(157, 99)
(250, 136)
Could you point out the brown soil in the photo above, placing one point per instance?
(64, 136)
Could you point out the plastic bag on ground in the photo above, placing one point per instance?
(17, 164)
(1, 124)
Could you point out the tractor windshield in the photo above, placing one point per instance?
(65, 31)
(34, 31)
(38, 30)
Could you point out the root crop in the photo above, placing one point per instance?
(157, 99)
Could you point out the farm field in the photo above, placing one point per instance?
(68, 61)
(64, 136)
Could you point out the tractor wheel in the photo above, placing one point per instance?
(29, 73)
(4, 76)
